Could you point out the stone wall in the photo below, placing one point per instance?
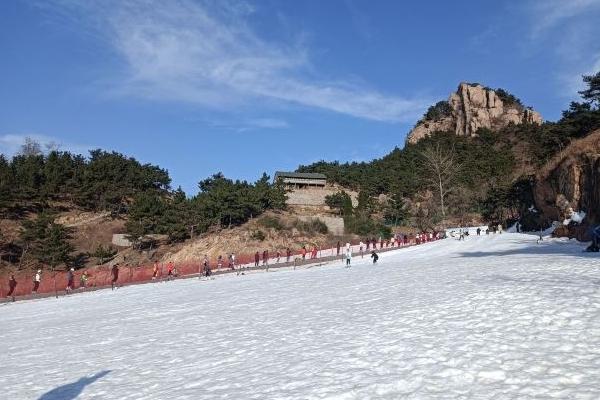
(315, 196)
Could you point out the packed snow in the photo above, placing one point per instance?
(495, 316)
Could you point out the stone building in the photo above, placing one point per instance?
(301, 180)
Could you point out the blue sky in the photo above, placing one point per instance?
(244, 87)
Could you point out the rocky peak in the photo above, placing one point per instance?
(472, 107)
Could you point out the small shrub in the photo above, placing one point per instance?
(258, 235)
(271, 223)
(312, 226)
(438, 111)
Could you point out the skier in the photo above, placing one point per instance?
(36, 281)
(541, 237)
(338, 248)
(70, 281)
(360, 249)
(219, 262)
(595, 245)
(256, 259)
(205, 263)
(348, 257)
(207, 271)
(232, 262)
(155, 271)
(314, 252)
(499, 228)
(115, 276)
(288, 254)
(478, 231)
(12, 284)
(303, 252)
(170, 267)
(278, 256)
(83, 280)
(266, 258)
(374, 256)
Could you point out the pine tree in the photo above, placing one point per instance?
(47, 241)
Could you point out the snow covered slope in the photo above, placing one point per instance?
(493, 317)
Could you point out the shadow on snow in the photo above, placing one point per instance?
(543, 248)
(71, 391)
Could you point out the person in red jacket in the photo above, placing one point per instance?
(314, 252)
(303, 252)
(170, 270)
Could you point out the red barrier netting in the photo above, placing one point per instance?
(101, 276)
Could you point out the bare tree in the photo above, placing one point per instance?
(442, 168)
(31, 147)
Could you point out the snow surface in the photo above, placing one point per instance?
(494, 316)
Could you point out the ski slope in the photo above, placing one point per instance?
(492, 317)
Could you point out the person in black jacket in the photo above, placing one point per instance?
(374, 256)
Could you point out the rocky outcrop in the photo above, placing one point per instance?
(472, 107)
(568, 187)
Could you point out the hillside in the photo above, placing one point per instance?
(492, 149)
(568, 186)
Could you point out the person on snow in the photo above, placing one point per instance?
(360, 248)
(219, 262)
(303, 252)
(115, 276)
(348, 257)
(36, 281)
(70, 280)
(478, 231)
(232, 262)
(288, 254)
(314, 252)
(374, 256)
(155, 271)
(207, 270)
(266, 257)
(83, 280)
(499, 228)
(278, 254)
(12, 285)
(170, 267)
(256, 259)
(338, 247)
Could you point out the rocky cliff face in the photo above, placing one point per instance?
(472, 107)
(570, 185)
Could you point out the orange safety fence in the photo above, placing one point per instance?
(101, 276)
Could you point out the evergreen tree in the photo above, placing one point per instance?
(592, 93)
(47, 241)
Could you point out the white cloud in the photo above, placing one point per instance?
(548, 14)
(206, 53)
(570, 29)
(10, 144)
(268, 123)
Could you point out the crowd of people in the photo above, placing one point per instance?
(169, 271)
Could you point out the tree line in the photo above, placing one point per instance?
(35, 186)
